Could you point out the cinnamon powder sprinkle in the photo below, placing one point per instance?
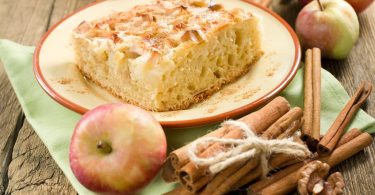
(65, 81)
(272, 70)
(211, 110)
(248, 94)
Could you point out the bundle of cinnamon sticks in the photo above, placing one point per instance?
(276, 120)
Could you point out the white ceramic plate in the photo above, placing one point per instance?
(55, 68)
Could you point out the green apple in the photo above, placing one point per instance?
(331, 25)
(117, 149)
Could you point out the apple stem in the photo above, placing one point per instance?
(320, 6)
(104, 147)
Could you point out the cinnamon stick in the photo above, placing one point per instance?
(312, 93)
(263, 183)
(279, 161)
(179, 158)
(192, 172)
(200, 184)
(348, 149)
(285, 123)
(285, 181)
(353, 133)
(258, 121)
(249, 177)
(223, 181)
(296, 125)
(231, 181)
(317, 65)
(308, 102)
(329, 141)
(168, 172)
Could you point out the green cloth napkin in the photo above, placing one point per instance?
(54, 123)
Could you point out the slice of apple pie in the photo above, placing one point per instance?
(168, 54)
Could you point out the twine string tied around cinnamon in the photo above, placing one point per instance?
(243, 149)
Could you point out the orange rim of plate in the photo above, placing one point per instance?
(181, 123)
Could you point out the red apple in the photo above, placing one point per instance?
(117, 149)
(331, 26)
(358, 5)
(304, 2)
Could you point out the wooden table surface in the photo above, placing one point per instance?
(26, 167)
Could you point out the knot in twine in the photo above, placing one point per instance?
(244, 149)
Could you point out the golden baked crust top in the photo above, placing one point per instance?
(161, 24)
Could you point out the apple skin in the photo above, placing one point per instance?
(358, 5)
(137, 149)
(334, 30)
(304, 2)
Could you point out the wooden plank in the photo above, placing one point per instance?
(32, 170)
(16, 24)
(63, 8)
(10, 135)
(25, 22)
